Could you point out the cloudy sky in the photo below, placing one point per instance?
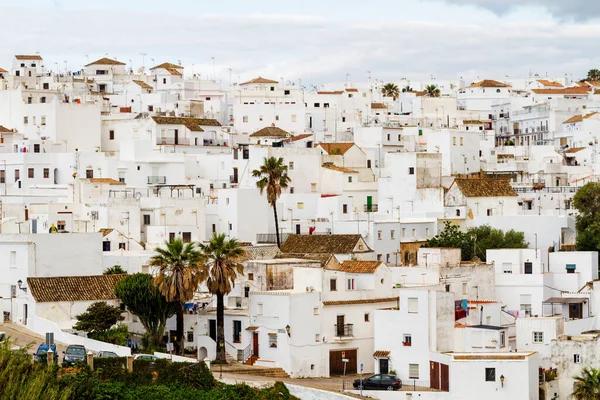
(313, 40)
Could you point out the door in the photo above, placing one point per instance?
(575, 311)
(336, 365)
(255, 344)
(434, 375)
(384, 366)
(297, 229)
(171, 236)
(176, 136)
(212, 329)
(445, 378)
(528, 268)
(340, 326)
(235, 175)
(34, 226)
(25, 314)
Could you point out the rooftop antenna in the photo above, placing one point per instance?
(143, 59)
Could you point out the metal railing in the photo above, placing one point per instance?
(157, 180)
(345, 330)
(418, 386)
(371, 208)
(244, 355)
(171, 141)
(547, 189)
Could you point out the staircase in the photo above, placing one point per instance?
(251, 360)
(277, 373)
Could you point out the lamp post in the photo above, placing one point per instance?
(221, 348)
(502, 380)
(287, 330)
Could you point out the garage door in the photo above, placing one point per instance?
(336, 365)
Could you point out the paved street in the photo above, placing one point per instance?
(24, 337)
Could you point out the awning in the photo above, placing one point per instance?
(272, 334)
(252, 328)
(571, 266)
(566, 300)
(382, 353)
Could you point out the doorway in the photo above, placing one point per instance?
(384, 366)
(297, 229)
(255, 344)
(212, 329)
(25, 314)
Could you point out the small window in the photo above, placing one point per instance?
(378, 257)
(407, 339)
(146, 219)
(17, 174)
(465, 288)
(454, 141)
(111, 135)
(259, 309)
(367, 317)
(46, 86)
(317, 339)
(30, 173)
(190, 336)
(490, 374)
(538, 337)
(392, 234)
(291, 190)
(414, 233)
(413, 305)
(106, 245)
(46, 172)
(300, 205)
(89, 173)
(186, 237)
(403, 232)
(13, 257)
(571, 268)
(247, 291)
(272, 340)
(350, 284)
(122, 246)
(237, 331)
(333, 285)
(313, 187)
(411, 170)
(36, 148)
(461, 140)
(413, 371)
(250, 276)
(345, 208)
(291, 166)
(25, 120)
(245, 118)
(576, 358)
(293, 118)
(316, 311)
(489, 212)
(349, 179)
(43, 119)
(43, 100)
(164, 81)
(214, 228)
(379, 233)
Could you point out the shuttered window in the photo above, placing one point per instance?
(413, 371)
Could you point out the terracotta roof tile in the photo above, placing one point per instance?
(593, 83)
(378, 106)
(29, 57)
(2, 70)
(4, 130)
(548, 83)
(339, 169)
(322, 258)
(485, 187)
(299, 137)
(174, 71)
(141, 84)
(109, 181)
(579, 118)
(359, 301)
(359, 267)
(271, 131)
(352, 90)
(382, 353)
(574, 150)
(489, 83)
(260, 79)
(331, 92)
(167, 65)
(472, 122)
(105, 61)
(193, 124)
(563, 91)
(330, 244)
(74, 288)
(336, 148)
(105, 231)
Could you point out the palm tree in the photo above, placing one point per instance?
(593, 75)
(587, 384)
(272, 177)
(390, 90)
(223, 258)
(181, 268)
(407, 88)
(432, 91)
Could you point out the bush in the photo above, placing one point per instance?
(110, 367)
(117, 335)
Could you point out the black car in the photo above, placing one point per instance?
(74, 353)
(379, 382)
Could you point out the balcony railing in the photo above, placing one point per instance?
(345, 330)
(171, 141)
(157, 180)
(371, 208)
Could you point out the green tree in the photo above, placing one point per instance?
(180, 270)
(272, 177)
(593, 75)
(144, 300)
(390, 90)
(98, 318)
(452, 236)
(587, 223)
(407, 89)
(115, 270)
(224, 261)
(432, 91)
(587, 384)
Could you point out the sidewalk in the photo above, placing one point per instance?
(23, 336)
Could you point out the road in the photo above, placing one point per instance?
(24, 337)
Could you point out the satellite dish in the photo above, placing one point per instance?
(140, 70)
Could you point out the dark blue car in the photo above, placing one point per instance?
(41, 353)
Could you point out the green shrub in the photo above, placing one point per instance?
(109, 367)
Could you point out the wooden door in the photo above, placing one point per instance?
(340, 326)
(255, 344)
(336, 365)
(445, 378)
(434, 375)
(384, 366)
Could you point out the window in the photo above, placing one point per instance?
(164, 81)
(300, 205)
(427, 232)
(571, 268)
(413, 305)
(403, 232)
(317, 339)
(146, 219)
(345, 208)
(247, 291)
(576, 358)
(507, 268)
(260, 117)
(46, 172)
(413, 371)
(245, 118)
(272, 340)
(260, 309)
(489, 212)
(367, 317)
(379, 235)
(316, 311)
(502, 339)
(526, 304)
(333, 285)
(490, 374)
(538, 337)
(111, 135)
(29, 100)
(227, 201)
(89, 173)
(291, 190)
(316, 105)
(186, 237)
(17, 174)
(46, 86)
(313, 187)
(43, 100)
(378, 257)
(461, 140)
(36, 148)
(414, 233)
(106, 245)
(214, 228)
(349, 179)
(350, 284)
(293, 118)
(122, 246)
(250, 276)
(190, 336)
(465, 288)
(528, 268)
(291, 166)
(31, 173)
(392, 234)
(411, 170)
(237, 331)
(43, 118)
(407, 339)
(387, 258)
(2, 176)
(13, 258)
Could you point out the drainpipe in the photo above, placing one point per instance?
(481, 316)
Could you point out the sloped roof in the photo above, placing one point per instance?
(105, 61)
(593, 83)
(489, 83)
(378, 105)
(359, 267)
(352, 90)
(336, 148)
(105, 231)
(339, 169)
(358, 301)
(472, 122)
(193, 124)
(4, 130)
(485, 187)
(382, 353)
(579, 118)
(260, 79)
(167, 65)
(299, 137)
(574, 150)
(331, 92)
(174, 71)
(563, 91)
(2, 70)
(330, 244)
(322, 258)
(142, 84)
(29, 57)
(110, 181)
(548, 83)
(74, 288)
(271, 131)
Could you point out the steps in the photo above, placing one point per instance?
(259, 371)
(251, 360)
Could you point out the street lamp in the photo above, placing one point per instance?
(287, 330)
(20, 284)
(502, 380)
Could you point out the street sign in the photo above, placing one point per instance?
(361, 367)
(345, 360)
(343, 354)
(169, 347)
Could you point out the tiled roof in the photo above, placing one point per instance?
(330, 244)
(331, 92)
(352, 90)
(490, 83)
(364, 301)
(378, 105)
(74, 288)
(4, 130)
(174, 71)
(382, 353)
(167, 65)
(548, 83)
(322, 258)
(105, 231)
(574, 150)
(472, 122)
(2, 70)
(105, 61)
(271, 131)
(261, 252)
(193, 124)
(260, 79)
(359, 267)
(593, 83)
(485, 187)
(109, 181)
(299, 137)
(335, 148)
(339, 169)
(252, 328)
(141, 84)
(29, 57)
(563, 91)
(579, 118)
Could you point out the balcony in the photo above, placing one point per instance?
(171, 141)
(371, 208)
(344, 331)
(157, 180)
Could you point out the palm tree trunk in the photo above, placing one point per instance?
(276, 226)
(220, 359)
(179, 330)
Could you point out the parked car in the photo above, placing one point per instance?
(106, 354)
(379, 382)
(144, 357)
(74, 353)
(41, 353)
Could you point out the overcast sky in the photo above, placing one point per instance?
(314, 40)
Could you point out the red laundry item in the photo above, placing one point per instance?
(460, 314)
(311, 229)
